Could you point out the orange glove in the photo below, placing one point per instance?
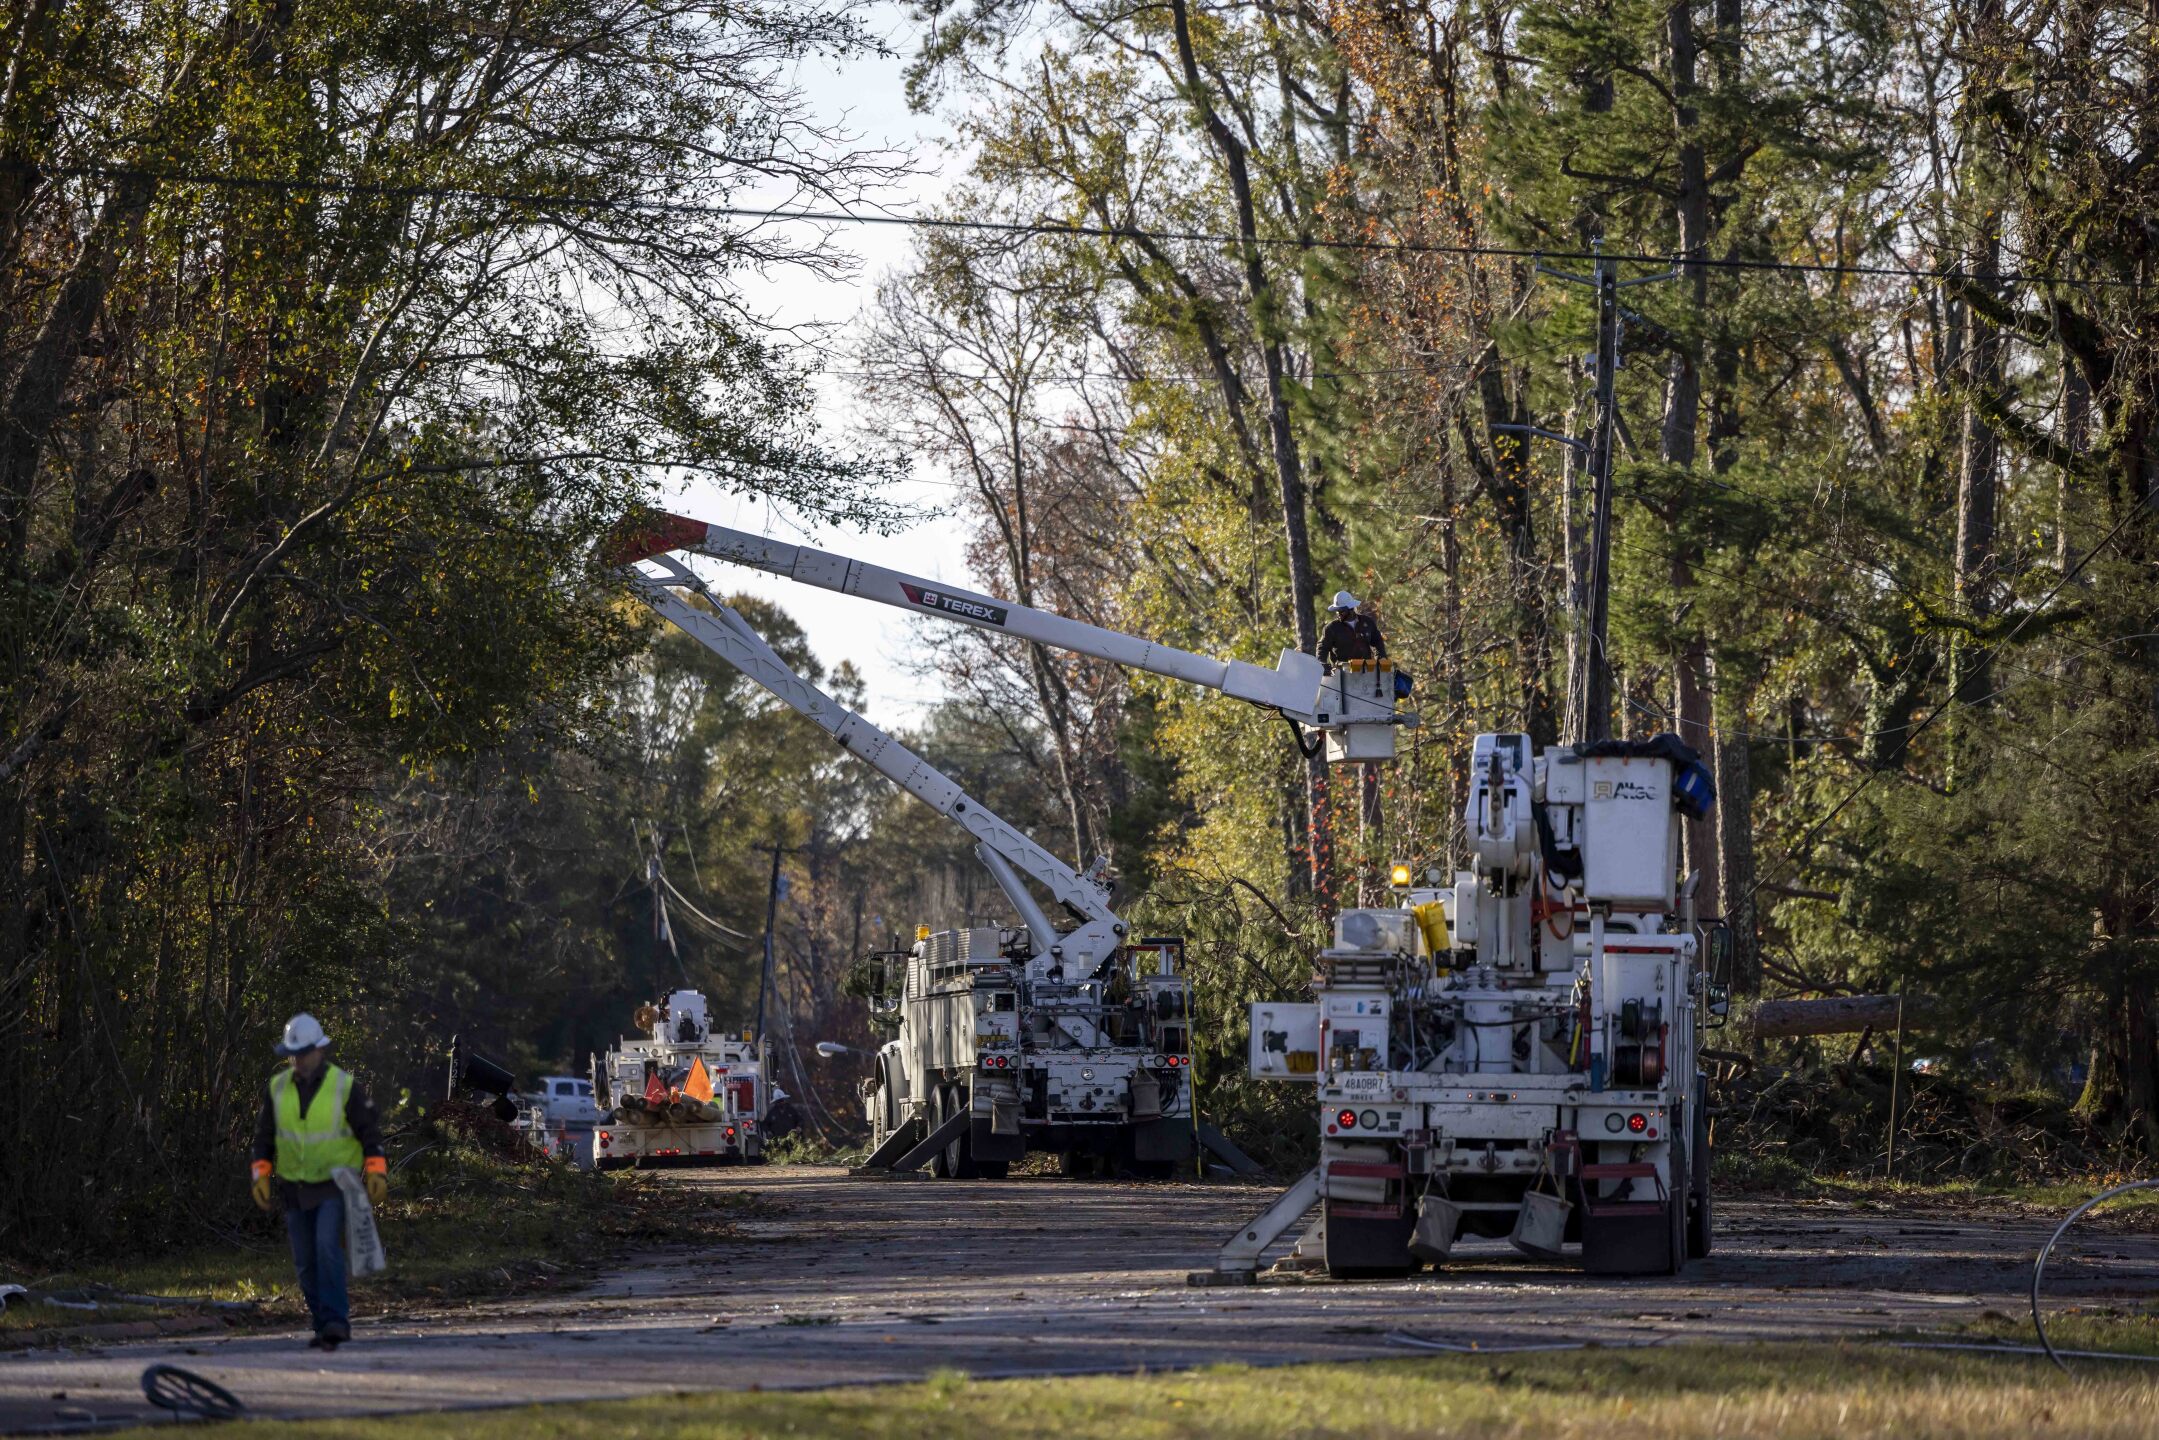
(376, 1173)
(259, 1188)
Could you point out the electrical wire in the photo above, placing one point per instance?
(542, 200)
(1813, 832)
(684, 902)
(1819, 609)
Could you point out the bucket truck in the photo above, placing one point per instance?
(1072, 1038)
(1515, 1053)
(682, 1093)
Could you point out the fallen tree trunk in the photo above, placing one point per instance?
(1837, 1015)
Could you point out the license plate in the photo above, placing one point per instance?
(1362, 1083)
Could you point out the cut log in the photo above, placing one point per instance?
(1837, 1015)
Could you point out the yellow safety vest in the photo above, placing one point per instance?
(313, 1142)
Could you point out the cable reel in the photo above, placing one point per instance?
(1638, 1055)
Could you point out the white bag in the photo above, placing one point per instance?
(363, 1246)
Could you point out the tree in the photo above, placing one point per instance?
(972, 354)
(329, 341)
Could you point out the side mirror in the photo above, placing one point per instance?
(1717, 952)
(1717, 971)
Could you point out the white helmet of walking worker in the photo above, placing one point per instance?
(303, 1032)
(1343, 600)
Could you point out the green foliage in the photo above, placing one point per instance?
(353, 334)
(1898, 592)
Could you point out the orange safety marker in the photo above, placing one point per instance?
(699, 1084)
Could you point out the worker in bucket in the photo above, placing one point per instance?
(1351, 635)
(316, 1119)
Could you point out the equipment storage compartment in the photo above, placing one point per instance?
(1630, 847)
(1285, 1041)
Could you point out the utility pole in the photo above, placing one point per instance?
(772, 910)
(1595, 720)
(1589, 709)
(663, 929)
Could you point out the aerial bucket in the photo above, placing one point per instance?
(1438, 1219)
(1541, 1225)
(1146, 1096)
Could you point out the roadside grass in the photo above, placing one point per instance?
(1747, 1175)
(256, 1272)
(2121, 1329)
(1700, 1392)
(2057, 1196)
(467, 1218)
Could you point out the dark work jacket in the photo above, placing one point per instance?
(1356, 638)
(359, 1114)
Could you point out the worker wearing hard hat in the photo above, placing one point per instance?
(1351, 634)
(316, 1120)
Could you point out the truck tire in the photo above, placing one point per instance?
(882, 1123)
(940, 1162)
(960, 1154)
(1701, 1212)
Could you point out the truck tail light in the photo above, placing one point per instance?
(1347, 1119)
(606, 1140)
(1637, 1122)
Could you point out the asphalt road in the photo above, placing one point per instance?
(857, 1281)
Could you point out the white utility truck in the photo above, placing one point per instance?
(1514, 1053)
(682, 1093)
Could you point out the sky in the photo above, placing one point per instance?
(866, 96)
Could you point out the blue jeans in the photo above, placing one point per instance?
(318, 1254)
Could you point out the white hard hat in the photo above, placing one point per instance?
(303, 1032)
(1343, 600)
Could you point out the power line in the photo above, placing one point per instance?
(1879, 569)
(684, 902)
(1820, 609)
(897, 373)
(1814, 831)
(1020, 228)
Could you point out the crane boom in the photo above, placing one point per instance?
(1349, 702)
(1004, 850)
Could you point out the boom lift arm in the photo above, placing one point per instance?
(1298, 688)
(1007, 853)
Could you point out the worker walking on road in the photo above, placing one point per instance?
(316, 1120)
(1351, 634)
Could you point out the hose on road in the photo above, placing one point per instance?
(2039, 1270)
(183, 1392)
